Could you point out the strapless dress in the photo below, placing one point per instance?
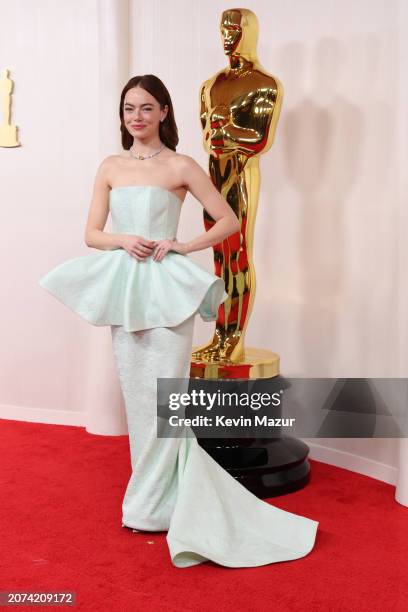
(113, 288)
(175, 484)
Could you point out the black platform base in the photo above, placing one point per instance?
(266, 467)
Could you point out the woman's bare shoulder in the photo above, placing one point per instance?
(109, 161)
(182, 157)
(182, 166)
(185, 162)
(115, 159)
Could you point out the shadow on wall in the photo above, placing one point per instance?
(334, 155)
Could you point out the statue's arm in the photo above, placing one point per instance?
(252, 122)
(202, 105)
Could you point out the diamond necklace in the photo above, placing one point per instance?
(138, 156)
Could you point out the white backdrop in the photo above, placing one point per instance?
(329, 249)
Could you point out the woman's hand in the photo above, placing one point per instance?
(137, 246)
(163, 246)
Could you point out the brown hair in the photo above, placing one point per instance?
(168, 132)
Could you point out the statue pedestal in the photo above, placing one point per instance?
(8, 136)
(265, 466)
(256, 363)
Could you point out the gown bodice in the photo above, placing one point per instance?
(150, 211)
(111, 287)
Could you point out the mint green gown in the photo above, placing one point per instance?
(175, 485)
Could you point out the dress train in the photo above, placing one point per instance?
(176, 486)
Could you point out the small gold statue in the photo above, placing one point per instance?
(8, 132)
(240, 107)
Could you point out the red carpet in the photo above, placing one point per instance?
(61, 495)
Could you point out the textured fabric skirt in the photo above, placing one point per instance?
(176, 486)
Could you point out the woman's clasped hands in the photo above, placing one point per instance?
(140, 247)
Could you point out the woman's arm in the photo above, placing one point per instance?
(98, 213)
(202, 188)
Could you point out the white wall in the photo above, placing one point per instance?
(51, 51)
(329, 239)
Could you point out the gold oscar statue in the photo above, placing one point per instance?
(240, 107)
(8, 132)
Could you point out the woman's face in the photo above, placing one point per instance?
(142, 113)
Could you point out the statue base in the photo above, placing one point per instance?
(265, 466)
(8, 136)
(256, 363)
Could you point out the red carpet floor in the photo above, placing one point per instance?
(60, 522)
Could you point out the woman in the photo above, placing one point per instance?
(147, 289)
